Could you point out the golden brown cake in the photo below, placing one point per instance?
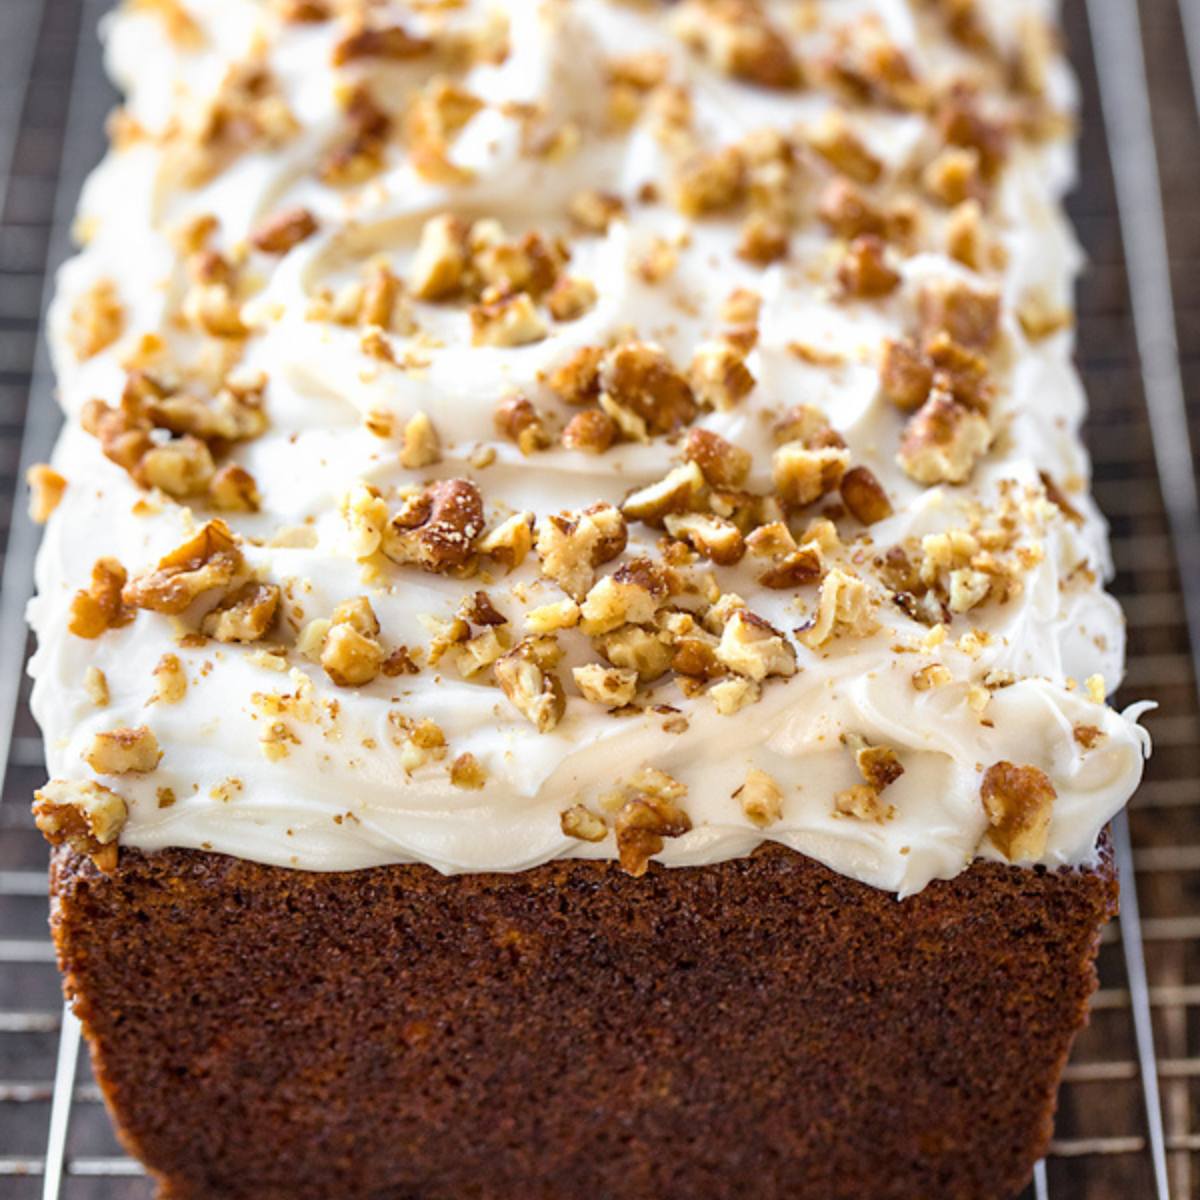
(572, 640)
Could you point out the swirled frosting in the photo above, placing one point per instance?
(972, 604)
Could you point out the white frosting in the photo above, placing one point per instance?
(342, 799)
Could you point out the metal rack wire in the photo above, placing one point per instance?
(1125, 1126)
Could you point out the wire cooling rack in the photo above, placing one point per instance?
(1127, 1127)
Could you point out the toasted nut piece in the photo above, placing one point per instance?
(764, 239)
(709, 181)
(761, 798)
(510, 541)
(864, 496)
(835, 141)
(572, 545)
(678, 491)
(595, 210)
(171, 680)
(525, 675)
(732, 695)
(631, 595)
(714, 537)
(86, 816)
(532, 264)
(580, 822)
(648, 653)
(639, 378)
(809, 426)
(549, 618)
(123, 752)
(738, 38)
(612, 687)
(351, 654)
(719, 375)
(245, 615)
(46, 488)
(862, 801)
(182, 467)
(422, 447)
(803, 476)
(437, 529)
(506, 321)
(848, 213)
(943, 441)
(723, 464)
(1019, 803)
(97, 320)
(284, 231)
(961, 372)
(905, 375)
(442, 258)
(846, 607)
(932, 676)
(519, 421)
(795, 570)
(879, 765)
(591, 431)
(773, 540)
(95, 683)
(233, 489)
(577, 381)
(467, 772)
(753, 647)
(391, 42)
(953, 176)
(571, 297)
(209, 559)
(962, 124)
(641, 826)
(695, 654)
(969, 317)
(864, 272)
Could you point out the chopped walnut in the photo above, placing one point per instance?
(466, 772)
(879, 765)
(526, 676)
(436, 530)
(580, 822)
(761, 798)
(392, 42)
(848, 213)
(87, 816)
(519, 421)
(95, 684)
(97, 320)
(752, 647)
(846, 608)
(731, 695)
(968, 316)
(234, 489)
(719, 375)
(802, 475)
(638, 380)
(182, 467)
(571, 546)
(210, 559)
(864, 496)
(641, 826)
(442, 258)
(648, 653)
(100, 606)
(796, 569)
(709, 181)
(678, 491)
(360, 154)
(738, 38)
(421, 446)
(612, 687)
(905, 375)
(591, 431)
(862, 802)
(171, 680)
(723, 464)
(245, 615)
(123, 752)
(943, 441)
(833, 138)
(631, 595)
(595, 211)
(46, 488)
(1019, 802)
(509, 542)
(953, 176)
(716, 538)
(577, 380)
(763, 240)
(433, 119)
(864, 272)
(506, 321)
(571, 297)
(932, 676)
(284, 231)
(352, 654)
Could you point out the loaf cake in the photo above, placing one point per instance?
(572, 645)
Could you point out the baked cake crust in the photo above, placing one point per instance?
(570, 1031)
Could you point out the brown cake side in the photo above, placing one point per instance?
(762, 1027)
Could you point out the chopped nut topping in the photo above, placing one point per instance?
(509, 542)
(210, 559)
(637, 378)
(879, 765)
(595, 211)
(571, 546)
(864, 272)
(612, 687)
(796, 569)
(1019, 802)
(835, 141)
(577, 381)
(905, 375)
(967, 316)
(421, 445)
(233, 489)
(761, 798)
(943, 441)
(46, 488)
(245, 615)
(171, 680)
(506, 321)
(714, 537)
(526, 676)
(591, 431)
(864, 496)
(580, 822)
(518, 420)
(436, 530)
(862, 802)
(641, 826)
(284, 231)
(467, 772)
(802, 475)
(648, 653)
(631, 595)
(720, 376)
(732, 695)
(100, 606)
(932, 676)
(123, 752)
(723, 464)
(87, 816)
(678, 491)
(738, 38)
(95, 683)
(392, 42)
(97, 320)
(571, 297)
(352, 655)
(846, 608)
(753, 647)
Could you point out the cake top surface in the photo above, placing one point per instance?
(503, 431)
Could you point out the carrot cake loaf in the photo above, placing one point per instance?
(571, 634)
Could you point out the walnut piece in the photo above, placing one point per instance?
(509, 542)
(97, 320)
(631, 595)
(641, 826)
(580, 822)
(284, 231)
(100, 607)
(123, 751)
(846, 607)
(802, 475)
(572, 545)
(862, 802)
(637, 379)
(738, 38)
(752, 647)
(352, 655)
(87, 816)
(612, 687)
(761, 798)
(245, 615)
(46, 488)
(436, 530)
(943, 440)
(1019, 802)
(421, 446)
(526, 676)
(210, 559)
(864, 496)
(723, 464)
(716, 538)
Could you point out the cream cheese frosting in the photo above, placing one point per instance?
(1000, 652)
